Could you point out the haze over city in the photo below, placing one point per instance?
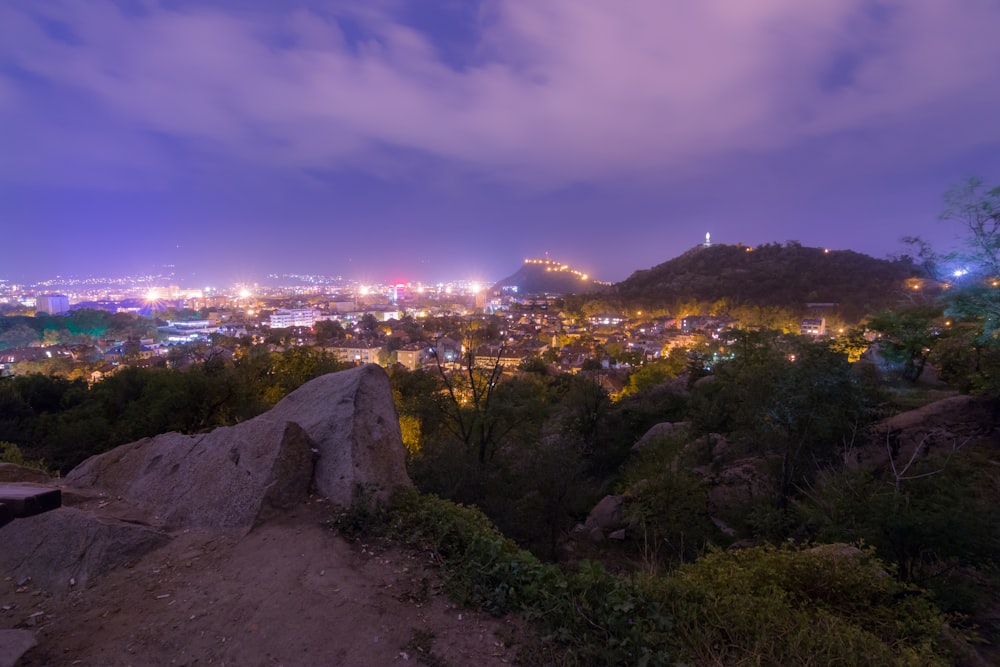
(406, 141)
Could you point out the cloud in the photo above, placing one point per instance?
(554, 92)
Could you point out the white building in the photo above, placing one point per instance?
(53, 304)
(298, 317)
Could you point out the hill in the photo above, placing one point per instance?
(773, 274)
(546, 276)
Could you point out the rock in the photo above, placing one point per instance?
(741, 482)
(837, 550)
(14, 644)
(723, 527)
(660, 432)
(235, 476)
(68, 544)
(224, 479)
(352, 419)
(617, 534)
(606, 517)
(11, 472)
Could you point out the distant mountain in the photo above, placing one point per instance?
(789, 275)
(546, 276)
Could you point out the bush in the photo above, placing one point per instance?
(770, 606)
(752, 607)
(597, 618)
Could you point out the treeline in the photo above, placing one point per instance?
(81, 326)
(61, 422)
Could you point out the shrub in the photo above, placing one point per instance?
(770, 606)
(761, 606)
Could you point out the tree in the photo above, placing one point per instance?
(908, 335)
(327, 331)
(794, 399)
(977, 209)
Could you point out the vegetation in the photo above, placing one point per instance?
(82, 326)
(771, 276)
(755, 606)
(64, 421)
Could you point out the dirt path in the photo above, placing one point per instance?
(290, 593)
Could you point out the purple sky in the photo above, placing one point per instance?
(433, 140)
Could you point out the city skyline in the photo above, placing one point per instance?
(388, 141)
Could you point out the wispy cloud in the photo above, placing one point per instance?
(559, 91)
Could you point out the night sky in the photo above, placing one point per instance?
(412, 140)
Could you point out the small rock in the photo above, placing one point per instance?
(617, 534)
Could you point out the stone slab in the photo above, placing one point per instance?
(6, 516)
(28, 500)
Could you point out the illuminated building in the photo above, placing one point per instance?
(297, 317)
(53, 304)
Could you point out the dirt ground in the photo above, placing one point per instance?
(290, 593)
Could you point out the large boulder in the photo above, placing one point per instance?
(606, 518)
(338, 432)
(224, 479)
(940, 427)
(662, 432)
(352, 420)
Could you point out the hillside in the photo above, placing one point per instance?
(545, 276)
(787, 275)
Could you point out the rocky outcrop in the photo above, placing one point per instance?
(332, 435)
(940, 428)
(336, 432)
(220, 480)
(352, 420)
(605, 519)
(661, 432)
(67, 546)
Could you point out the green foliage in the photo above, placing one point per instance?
(972, 274)
(768, 606)
(753, 607)
(656, 372)
(936, 525)
(795, 399)
(11, 453)
(80, 326)
(597, 618)
(64, 421)
(907, 336)
(667, 506)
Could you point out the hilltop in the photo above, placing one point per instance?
(788, 275)
(546, 276)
